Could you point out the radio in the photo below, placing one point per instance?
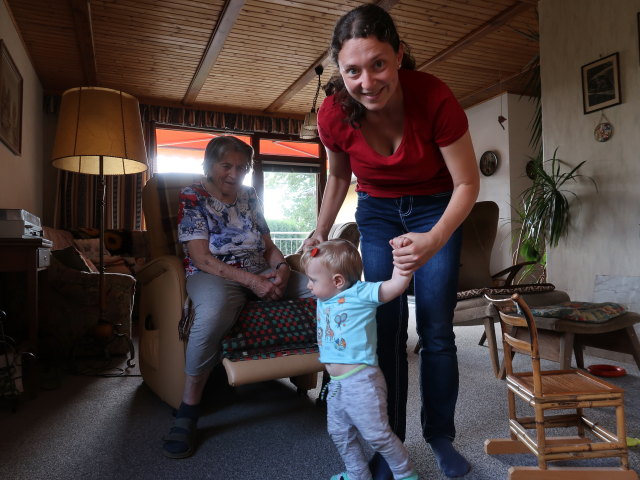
(16, 223)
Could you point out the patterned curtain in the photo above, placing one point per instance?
(79, 203)
(77, 194)
(234, 122)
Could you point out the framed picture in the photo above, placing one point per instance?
(601, 83)
(10, 102)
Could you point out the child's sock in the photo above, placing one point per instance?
(449, 460)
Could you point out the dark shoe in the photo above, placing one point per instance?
(181, 440)
(379, 468)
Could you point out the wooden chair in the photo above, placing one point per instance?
(554, 390)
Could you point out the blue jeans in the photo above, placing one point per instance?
(435, 285)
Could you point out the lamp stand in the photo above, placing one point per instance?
(111, 328)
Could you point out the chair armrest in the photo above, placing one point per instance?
(511, 273)
(162, 285)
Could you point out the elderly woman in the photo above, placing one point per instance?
(229, 259)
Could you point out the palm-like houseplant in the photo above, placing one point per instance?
(545, 207)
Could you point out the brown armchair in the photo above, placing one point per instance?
(478, 236)
(72, 303)
(162, 298)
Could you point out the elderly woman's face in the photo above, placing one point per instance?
(227, 175)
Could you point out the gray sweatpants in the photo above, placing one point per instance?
(358, 403)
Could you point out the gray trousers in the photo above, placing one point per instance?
(358, 403)
(217, 303)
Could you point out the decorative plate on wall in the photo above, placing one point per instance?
(488, 163)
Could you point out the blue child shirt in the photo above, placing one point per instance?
(347, 325)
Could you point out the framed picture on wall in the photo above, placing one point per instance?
(10, 102)
(601, 83)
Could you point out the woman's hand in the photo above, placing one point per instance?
(311, 242)
(412, 250)
(265, 287)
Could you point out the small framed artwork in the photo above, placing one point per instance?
(10, 102)
(601, 83)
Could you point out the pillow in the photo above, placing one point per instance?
(90, 248)
(60, 238)
(581, 311)
(118, 242)
(72, 258)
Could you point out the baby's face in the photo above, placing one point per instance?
(320, 280)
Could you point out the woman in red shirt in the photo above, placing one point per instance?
(405, 137)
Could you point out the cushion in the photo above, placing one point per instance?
(581, 311)
(510, 290)
(272, 329)
(60, 238)
(72, 258)
(90, 248)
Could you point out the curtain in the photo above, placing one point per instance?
(77, 202)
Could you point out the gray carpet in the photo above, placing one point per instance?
(101, 428)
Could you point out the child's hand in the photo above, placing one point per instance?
(399, 242)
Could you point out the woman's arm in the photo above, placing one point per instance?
(460, 160)
(334, 195)
(205, 261)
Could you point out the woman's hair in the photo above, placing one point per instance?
(338, 256)
(218, 148)
(362, 22)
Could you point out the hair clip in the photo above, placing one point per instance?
(314, 251)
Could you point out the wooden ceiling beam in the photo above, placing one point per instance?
(310, 73)
(483, 30)
(228, 17)
(81, 11)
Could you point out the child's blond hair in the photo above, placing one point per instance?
(338, 256)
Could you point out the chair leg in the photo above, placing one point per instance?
(483, 338)
(579, 354)
(490, 334)
(566, 350)
(634, 343)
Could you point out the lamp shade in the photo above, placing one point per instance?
(99, 125)
(309, 128)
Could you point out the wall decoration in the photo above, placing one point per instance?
(601, 83)
(604, 129)
(488, 163)
(10, 102)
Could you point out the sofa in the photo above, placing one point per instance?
(69, 323)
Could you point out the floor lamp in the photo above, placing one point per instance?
(100, 133)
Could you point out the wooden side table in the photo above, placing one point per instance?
(29, 256)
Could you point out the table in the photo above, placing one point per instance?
(29, 256)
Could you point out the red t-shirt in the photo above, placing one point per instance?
(433, 118)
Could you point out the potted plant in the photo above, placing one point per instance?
(544, 211)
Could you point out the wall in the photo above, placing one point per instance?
(511, 146)
(605, 237)
(21, 176)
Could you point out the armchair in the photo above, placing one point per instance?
(162, 298)
(72, 306)
(475, 278)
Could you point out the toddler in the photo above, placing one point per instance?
(347, 339)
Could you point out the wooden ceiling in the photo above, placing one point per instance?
(260, 55)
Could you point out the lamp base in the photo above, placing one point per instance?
(97, 343)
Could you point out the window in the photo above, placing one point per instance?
(288, 180)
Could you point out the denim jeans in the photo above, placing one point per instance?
(435, 285)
